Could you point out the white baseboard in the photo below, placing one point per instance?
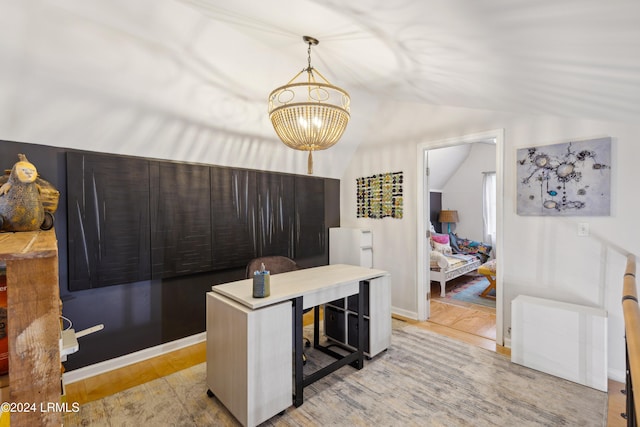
(404, 313)
(507, 342)
(617, 375)
(128, 359)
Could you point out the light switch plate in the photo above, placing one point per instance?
(583, 229)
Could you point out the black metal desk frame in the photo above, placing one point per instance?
(355, 358)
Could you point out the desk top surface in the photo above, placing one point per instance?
(286, 286)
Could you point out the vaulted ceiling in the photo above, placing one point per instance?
(216, 61)
(570, 58)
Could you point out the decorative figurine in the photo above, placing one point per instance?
(21, 205)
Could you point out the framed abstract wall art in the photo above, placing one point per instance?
(379, 196)
(568, 179)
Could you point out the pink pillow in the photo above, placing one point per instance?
(443, 239)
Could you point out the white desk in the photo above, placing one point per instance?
(249, 340)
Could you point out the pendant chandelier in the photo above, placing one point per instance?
(309, 114)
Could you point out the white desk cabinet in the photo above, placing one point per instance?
(352, 246)
(249, 359)
(254, 363)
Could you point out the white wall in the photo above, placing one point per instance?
(390, 235)
(543, 256)
(463, 191)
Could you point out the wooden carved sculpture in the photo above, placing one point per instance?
(21, 207)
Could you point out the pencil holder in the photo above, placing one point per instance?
(261, 284)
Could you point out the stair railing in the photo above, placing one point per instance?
(631, 311)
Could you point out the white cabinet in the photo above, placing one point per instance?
(249, 359)
(341, 317)
(561, 339)
(249, 340)
(351, 246)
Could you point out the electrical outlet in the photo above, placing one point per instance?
(583, 229)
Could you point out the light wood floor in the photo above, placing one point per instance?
(109, 383)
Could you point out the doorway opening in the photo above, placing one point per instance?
(468, 220)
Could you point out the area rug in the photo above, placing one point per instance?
(470, 290)
(422, 379)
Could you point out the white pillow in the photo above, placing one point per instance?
(439, 259)
(443, 248)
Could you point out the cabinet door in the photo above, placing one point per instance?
(380, 318)
(233, 209)
(108, 220)
(310, 236)
(275, 214)
(249, 363)
(180, 219)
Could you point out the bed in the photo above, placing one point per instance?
(452, 256)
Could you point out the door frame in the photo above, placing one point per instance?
(423, 274)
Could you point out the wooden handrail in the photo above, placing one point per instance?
(631, 311)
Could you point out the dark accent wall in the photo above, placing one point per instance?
(234, 192)
(160, 247)
(435, 206)
(181, 209)
(108, 220)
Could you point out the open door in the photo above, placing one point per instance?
(423, 207)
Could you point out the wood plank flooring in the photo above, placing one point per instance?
(109, 383)
(466, 319)
(112, 382)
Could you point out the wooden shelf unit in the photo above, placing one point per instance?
(33, 325)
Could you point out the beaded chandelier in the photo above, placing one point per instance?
(309, 114)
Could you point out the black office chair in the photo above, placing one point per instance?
(276, 264)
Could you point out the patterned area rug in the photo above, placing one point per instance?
(423, 379)
(469, 290)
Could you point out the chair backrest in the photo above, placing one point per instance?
(275, 264)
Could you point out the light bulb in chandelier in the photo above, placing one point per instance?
(309, 113)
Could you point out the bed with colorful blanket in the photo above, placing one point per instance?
(452, 256)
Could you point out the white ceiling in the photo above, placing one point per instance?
(576, 58)
(569, 58)
(217, 61)
(444, 163)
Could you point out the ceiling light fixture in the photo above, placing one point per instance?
(310, 114)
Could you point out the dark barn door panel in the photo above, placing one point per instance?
(310, 237)
(180, 219)
(233, 209)
(108, 220)
(275, 214)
